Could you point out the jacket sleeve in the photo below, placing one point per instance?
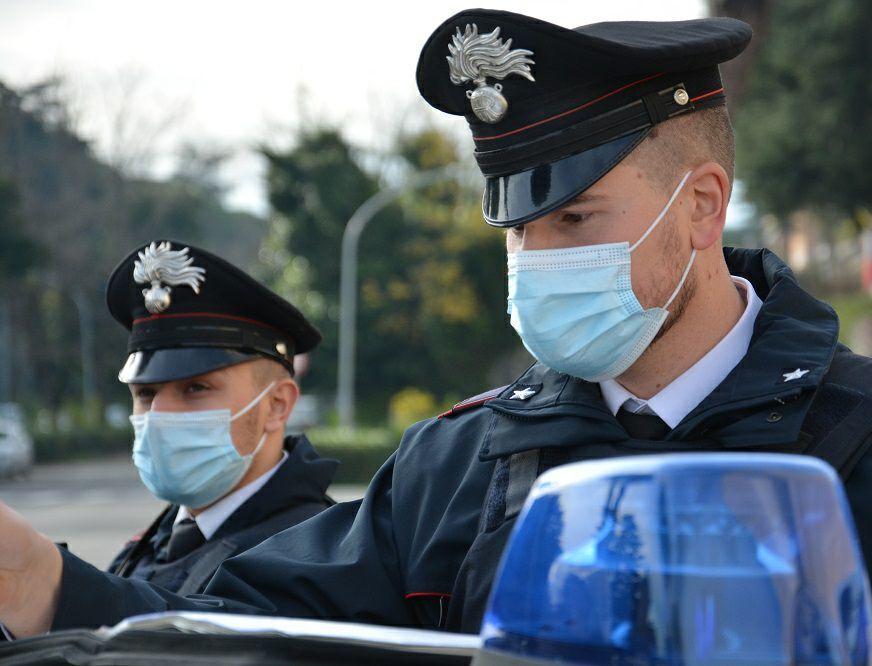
(340, 564)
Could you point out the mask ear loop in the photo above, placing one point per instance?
(653, 226)
(257, 448)
(663, 212)
(257, 399)
(681, 281)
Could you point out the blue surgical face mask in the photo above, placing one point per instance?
(188, 458)
(575, 309)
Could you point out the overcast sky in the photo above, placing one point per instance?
(231, 73)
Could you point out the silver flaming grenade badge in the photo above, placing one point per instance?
(476, 58)
(164, 268)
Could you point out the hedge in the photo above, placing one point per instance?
(361, 452)
(79, 445)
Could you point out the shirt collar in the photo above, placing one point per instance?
(678, 398)
(209, 520)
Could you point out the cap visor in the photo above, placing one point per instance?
(524, 196)
(167, 365)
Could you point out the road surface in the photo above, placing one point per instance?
(94, 506)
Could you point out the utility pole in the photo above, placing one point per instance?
(86, 343)
(5, 352)
(345, 398)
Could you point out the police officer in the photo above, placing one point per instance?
(210, 370)
(607, 153)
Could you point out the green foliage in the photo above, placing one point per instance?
(431, 273)
(409, 406)
(805, 130)
(73, 217)
(852, 309)
(18, 253)
(314, 188)
(81, 444)
(361, 452)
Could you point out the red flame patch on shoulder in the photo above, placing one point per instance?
(474, 401)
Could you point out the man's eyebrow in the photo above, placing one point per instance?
(584, 197)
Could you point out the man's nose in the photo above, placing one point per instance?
(536, 236)
(165, 400)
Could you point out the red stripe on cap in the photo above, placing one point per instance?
(213, 315)
(414, 595)
(566, 113)
(708, 94)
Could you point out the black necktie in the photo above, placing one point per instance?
(642, 426)
(185, 538)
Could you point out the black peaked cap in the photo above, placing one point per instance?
(190, 312)
(596, 93)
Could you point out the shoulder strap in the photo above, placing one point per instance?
(510, 483)
(839, 420)
(474, 401)
(523, 470)
(126, 566)
(206, 566)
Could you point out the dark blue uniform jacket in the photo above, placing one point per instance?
(294, 493)
(413, 551)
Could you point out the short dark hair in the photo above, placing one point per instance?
(685, 142)
(266, 370)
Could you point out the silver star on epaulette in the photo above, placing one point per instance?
(796, 374)
(523, 394)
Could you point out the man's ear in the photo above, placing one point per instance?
(281, 401)
(709, 188)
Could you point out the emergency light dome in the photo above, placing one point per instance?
(682, 559)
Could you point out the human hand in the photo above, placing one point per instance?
(30, 576)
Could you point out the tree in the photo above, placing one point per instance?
(457, 266)
(18, 252)
(804, 130)
(61, 204)
(431, 273)
(314, 188)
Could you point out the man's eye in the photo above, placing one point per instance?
(144, 394)
(575, 217)
(197, 387)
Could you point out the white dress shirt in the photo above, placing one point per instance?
(209, 520)
(678, 398)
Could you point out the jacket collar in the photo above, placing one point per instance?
(302, 478)
(754, 406)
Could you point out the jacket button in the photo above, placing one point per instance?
(774, 417)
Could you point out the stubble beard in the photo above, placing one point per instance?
(678, 307)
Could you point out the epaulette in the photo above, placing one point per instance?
(474, 401)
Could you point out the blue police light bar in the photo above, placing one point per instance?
(682, 559)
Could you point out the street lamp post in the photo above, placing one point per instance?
(86, 343)
(348, 281)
